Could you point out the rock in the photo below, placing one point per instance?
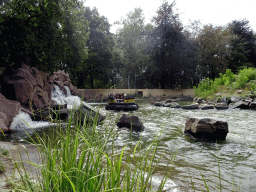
(252, 105)
(87, 114)
(193, 106)
(3, 123)
(221, 106)
(239, 91)
(234, 99)
(206, 128)
(175, 105)
(167, 105)
(131, 122)
(168, 101)
(240, 104)
(3, 127)
(206, 107)
(10, 109)
(198, 100)
(27, 86)
(158, 104)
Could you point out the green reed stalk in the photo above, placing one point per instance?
(79, 158)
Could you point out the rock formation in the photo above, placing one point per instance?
(8, 110)
(131, 122)
(27, 86)
(206, 128)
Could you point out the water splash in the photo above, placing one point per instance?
(23, 121)
(61, 98)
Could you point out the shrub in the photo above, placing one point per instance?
(244, 76)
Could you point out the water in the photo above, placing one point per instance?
(60, 98)
(235, 157)
(232, 160)
(23, 125)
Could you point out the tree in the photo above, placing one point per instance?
(172, 51)
(42, 34)
(243, 46)
(131, 39)
(98, 65)
(213, 44)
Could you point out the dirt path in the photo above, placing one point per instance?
(18, 153)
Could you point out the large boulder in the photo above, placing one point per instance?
(26, 85)
(86, 113)
(8, 110)
(131, 122)
(206, 128)
(242, 104)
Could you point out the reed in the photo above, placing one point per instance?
(80, 158)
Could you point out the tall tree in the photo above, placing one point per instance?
(97, 67)
(243, 45)
(42, 34)
(213, 44)
(132, 43)
(172, 53)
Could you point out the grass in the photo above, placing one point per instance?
(81, 159)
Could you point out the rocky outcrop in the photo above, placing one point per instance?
(26, 85)
(131, 122)
(8, 110)
(158, 104)
(192, 106)
(206, 128)
(206, 107)
(175, 105)
(242, 104)
(221, 106)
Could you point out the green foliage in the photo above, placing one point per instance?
(245, 75)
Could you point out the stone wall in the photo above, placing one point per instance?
(148, 92)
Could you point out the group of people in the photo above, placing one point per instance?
(121, 96)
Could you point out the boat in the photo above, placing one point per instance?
(121, 102)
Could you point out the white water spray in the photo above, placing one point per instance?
(23, 120)
(60, 98)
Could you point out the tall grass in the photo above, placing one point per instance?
(80, 158)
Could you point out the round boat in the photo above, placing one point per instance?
(121, 102)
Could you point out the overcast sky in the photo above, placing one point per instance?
(217, 12)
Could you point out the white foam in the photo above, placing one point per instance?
(23, 121)
(60, 98)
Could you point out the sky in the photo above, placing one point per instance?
(216, 12)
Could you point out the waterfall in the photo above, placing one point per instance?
(60, 98)
(23, 120)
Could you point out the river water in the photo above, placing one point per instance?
(198, 165)
(231, 163)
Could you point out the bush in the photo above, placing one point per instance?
(244, 76)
